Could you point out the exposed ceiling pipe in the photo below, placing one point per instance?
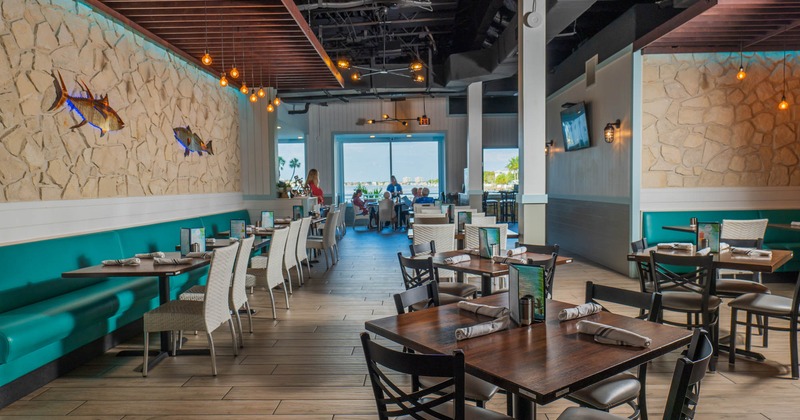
(320, 4)
(301, 111)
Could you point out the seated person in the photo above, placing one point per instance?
(414, 195)
(425, 199)
(387, 202)
(358, 203)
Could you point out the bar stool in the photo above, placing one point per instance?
(508, 203)
(489, 203)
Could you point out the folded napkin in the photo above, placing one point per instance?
(260, 229)
(607, 334)
(676, 245)
(703, 252)
(455, 259)
(795, 224)
(492, 311)
(516, 251)
(205, 255)
(233, 239)
(171, 261)
(723, 246)
(482, 328)
(210, 240)
(509, 260)
(579, 311)
(750, 252)
(471, 251)
(126, 261)
(151, 255)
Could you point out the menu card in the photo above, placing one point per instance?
(464, 218)
(238, 229)
(488, 240)
(526, 281)
(193, 236)
(268, 219)
(297, 212)
(709, 231)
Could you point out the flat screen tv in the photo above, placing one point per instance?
(575, 127)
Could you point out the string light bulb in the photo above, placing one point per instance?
(243, 89)
(234, 72)
(415, 65)
(741, 74)
(270, 108)
(343, 63)
(356, 76)
(253, 97)
(277, 101)
(223, 81)
(206, 59)
(419, 78)
(261, 93)
(783, 105)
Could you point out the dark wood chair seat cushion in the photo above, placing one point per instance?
(610, 392)
(474, 389)
(458, 289)
(763, 303)
(736, 287)
(470, 413)
(688, 301)
(581, 413)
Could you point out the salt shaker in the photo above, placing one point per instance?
(526, 310)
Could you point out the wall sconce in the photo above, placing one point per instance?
(547, 146)
(608, 132)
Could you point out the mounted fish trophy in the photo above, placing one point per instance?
(191, 142)
(96, 112)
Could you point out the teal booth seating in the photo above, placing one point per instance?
(653, 223)
(44, 318)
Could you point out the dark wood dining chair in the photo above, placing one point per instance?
(684, 390)
(426, 296)
(550, 269)
(687, 286)
(451, 288)
(624, 388)
(767, 306)
(445, 400)
(418, 271)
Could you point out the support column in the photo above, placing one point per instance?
(474, 179)
(532, 72)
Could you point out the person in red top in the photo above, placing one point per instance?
(358, 203)
(312, 182)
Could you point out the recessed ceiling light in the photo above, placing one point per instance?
(300, 137)
(372, 136)
(408, 135)
(279, 127)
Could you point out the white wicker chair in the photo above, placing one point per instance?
(443, 237)
(429, 210)
(302, 253)
(742, 229)
(237, 296)
(289, 256)
(385, 214)
(471, 235)
(208, 315)
(484, 220)
(327, 242)
(271, 276)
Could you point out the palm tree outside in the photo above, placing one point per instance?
(295, 165)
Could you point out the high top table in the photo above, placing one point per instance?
(539, 363)
(146, 269)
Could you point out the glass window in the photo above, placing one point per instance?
(500, 169)
(365, 166)
(416, 164)
(291, 159)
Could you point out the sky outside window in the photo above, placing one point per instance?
(289, 151)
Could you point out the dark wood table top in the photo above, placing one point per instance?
(485, 266)
(542, 362)
(287, 221)
(222, 243)
(145, 269)
(726, 260)
(784, 226)
(687, 228)
(460, 236)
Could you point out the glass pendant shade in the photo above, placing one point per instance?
(206, 59)
(223, 81)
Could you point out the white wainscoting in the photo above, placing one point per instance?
(33, 220)
(719, 198)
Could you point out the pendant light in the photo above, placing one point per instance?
(261, 93)
(277, 100)
(234, 71)
(206, 59)
(270, 107)
(253, 96)
(223, 81)
(783, 105)
(741, 74)
(243, 89)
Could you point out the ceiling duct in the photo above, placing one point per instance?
(397, 4)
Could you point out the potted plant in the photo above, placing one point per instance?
(281, 185)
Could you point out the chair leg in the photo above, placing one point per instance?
(286, 295)
(272, 299)
(213, 354)
(175, 341)
(289, 277)
(793, 347)
(146, 352)
(764, 339)
(240, 332)
(732, 344)
(249, 316)
(748, 333)
(234, 341)
(509, 404)
(299, 268)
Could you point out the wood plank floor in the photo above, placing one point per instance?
(308, 364)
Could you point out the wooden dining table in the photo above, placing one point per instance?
(484, 267)
(147, 268)
(539, 363)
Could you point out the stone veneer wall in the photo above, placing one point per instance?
(704, 128)
(151, 89)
